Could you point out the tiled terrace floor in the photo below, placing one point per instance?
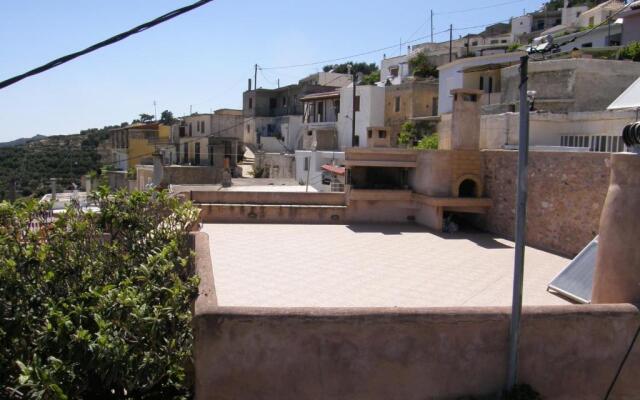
(268, 265)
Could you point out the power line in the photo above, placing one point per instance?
(353, 55)
(479, 8)
(104, 43)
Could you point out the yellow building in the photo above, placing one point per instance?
(135, 144)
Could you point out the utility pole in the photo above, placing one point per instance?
(431, 25)
(521, 218)
(190, 109)
(400, 46)
(278, 83)
(609, 29)
(450, 42)
(155, 111)
(255, 77)
(352, 71)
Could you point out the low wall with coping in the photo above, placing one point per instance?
(566, 352)
(279, 198)
(566, 193)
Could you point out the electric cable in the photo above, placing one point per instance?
(104, 43)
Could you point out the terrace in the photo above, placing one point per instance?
(281, 265)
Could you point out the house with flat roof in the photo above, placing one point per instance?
(451, 75)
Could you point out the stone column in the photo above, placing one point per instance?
(617, 274)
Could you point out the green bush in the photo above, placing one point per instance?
(97, 305)
(429, 142)
(420, 66)
(411, 134)
(630, 52)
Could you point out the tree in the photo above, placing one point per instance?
(371, 79)
(420, 66)
(418, 135)
(166, 118)
(343, 68)
(145, 118)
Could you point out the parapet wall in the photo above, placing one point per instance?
(566, 192)
(566, 352)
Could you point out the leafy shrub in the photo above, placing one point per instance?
(513, 47)
(97, 305)
(372, 78)
(412, 133)
(421, 67)
(429, 142)
(630, 52)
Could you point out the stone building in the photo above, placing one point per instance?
(412, 100)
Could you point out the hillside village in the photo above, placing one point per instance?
(299, 132)
(454, 222)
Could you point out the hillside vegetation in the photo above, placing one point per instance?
(33, 162)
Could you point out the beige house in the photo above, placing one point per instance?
(411, 100)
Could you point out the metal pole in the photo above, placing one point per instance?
(450, 42)
(255, 77)
(431, 26)
(353, 106)
(308, 171)
(521, 214)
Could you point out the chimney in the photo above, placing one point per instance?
(249, 89)
(158, 169)
(465, 119)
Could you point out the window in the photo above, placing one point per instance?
(540, 25)
(357, 104)
(320, 108)
(250, 103)
(382, 134)
(273, 102)
(397, 105)
(578, 14)
(190, 129)
(490, 88)
(197, 154)
(503, 41)
(185, 153)
(369, 133)
(306, 163)
(587, 44)
(394, 70)
(494, 41)
(481, 86)
(434, 106)
(284, 102)
(474, 43)
(592, 21)
(248, 128)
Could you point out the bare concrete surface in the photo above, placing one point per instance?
(277, 265)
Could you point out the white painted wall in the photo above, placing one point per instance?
(520, 25)
(317, 160)
(371, 113)
(545, 129)
(451, 75)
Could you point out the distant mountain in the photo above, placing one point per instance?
(21, 141)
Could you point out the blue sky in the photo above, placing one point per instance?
(201, 59)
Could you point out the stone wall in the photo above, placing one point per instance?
(565, 197)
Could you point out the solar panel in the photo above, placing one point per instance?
(576, 280)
